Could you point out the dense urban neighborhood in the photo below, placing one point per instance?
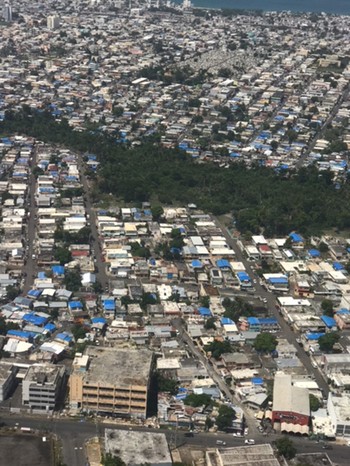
(175, 243)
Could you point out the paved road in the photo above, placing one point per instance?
(30, 267)
(250, 422)
(321, 131)
(101, 270)
(74, 434)
(271, 303)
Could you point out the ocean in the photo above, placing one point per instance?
(339, 7)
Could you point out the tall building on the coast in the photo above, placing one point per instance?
(7, 13)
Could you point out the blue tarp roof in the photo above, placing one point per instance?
(98, 320)
(338, 266)
(343, 310)
(257, 381)
(296, 238)
(314, 253)
(21, 334)
(253, 321)
(58, 269)
(34, 319)
(75, 305)
(243, 277)
(226, 321)
(223, 263)
(50, 327)
(313, 336)
(34, 293)
(196, 264)
(277, 280)
(41, 275)
(204, 311)
(109, 304)
(329, 321)
(64, 337)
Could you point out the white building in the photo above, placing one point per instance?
(53, 22)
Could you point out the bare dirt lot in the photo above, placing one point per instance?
(24, 450)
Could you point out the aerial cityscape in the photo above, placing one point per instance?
(174, 234)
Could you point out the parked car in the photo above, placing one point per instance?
(249, 441)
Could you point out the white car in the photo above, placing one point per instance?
(249, 441)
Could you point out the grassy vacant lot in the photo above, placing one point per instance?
(24, 450)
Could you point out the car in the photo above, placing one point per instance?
(327, 447)
(220, 442)
(33, 256)
(249, 441)
(246, 431)
(265, 300)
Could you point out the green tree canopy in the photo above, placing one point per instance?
(285, 447)
(109, 460)
(217, 348)
(327, 307)
(314, 402)
(72, 280)
(265, 343)
(197, 400)
(225, 417)
(62, 255)
(327, 341)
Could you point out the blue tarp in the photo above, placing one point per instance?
(64, 337)
(21, 334)
(313, 336)
(296, 238)
(50, 327)
(243, 277)
(196, 264)
(278, 280)
(314, 253)
(109, 305)
(226, 321)
(34, 293)
(329, 321)
(343, 310)
(205, 312)
(257, 381)
(34, 319)
(223, 264)
(58, 269)
(41, 275)
(98, 320)
(338, 266)
(75, 305)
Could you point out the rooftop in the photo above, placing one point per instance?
(136, 448)
(122, 367)
(252, 455)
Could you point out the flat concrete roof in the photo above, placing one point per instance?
(252, 455)
(287, 397)
(136, 448)
(120, 367)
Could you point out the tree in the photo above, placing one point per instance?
(157, 212)
(217, 348)
(210, 324)
(327, 307)
(314, 402)
(109, 460)
(62, 255)
(72, 280)
(166, 384)
(78, 332)
(12, 292)
(265, 343)
(204, 301)
(327, 341)
(323, 247)
(197, 400)
(286, 448)
(225, 417)
(274, 145)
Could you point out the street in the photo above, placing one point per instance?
(271, 305)
(74, 433)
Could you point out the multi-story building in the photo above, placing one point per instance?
(53, 22)
(41, 387)
(7, 379)
(112, 381)
(291, 406)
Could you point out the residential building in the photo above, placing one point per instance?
(41, 387)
